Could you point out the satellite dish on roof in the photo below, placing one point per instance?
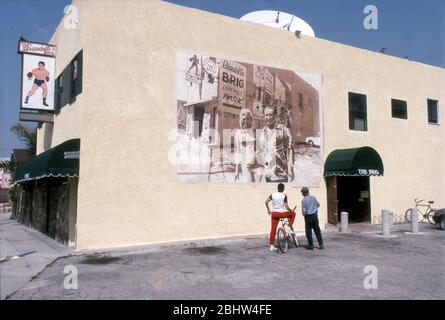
(280, 20)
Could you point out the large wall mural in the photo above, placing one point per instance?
(242, 123)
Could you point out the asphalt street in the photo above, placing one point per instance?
(356, 265)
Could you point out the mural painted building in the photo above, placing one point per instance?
(354, 125)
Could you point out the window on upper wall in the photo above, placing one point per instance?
(63, 88)
(357, 112)
(77, 75)
(399, 109)
(69, 82)
(433, 111)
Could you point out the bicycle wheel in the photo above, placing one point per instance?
(282, 240)
(294, 240)
(430, 217)
(408, 216)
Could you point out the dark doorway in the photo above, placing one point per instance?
(354, 197)
(199, 117)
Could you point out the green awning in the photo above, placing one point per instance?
(363, 161)
(60, 161)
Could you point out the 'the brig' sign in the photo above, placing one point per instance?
(368, 172)
(232, 83)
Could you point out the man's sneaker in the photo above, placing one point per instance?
(273, 249)
(322, 247)
(309, 248)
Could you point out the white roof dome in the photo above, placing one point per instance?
(280, 20)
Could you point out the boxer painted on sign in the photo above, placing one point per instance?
(195, 61)
(40, 76)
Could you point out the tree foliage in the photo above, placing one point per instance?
(27, 135)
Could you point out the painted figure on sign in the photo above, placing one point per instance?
(245, 148)
(275, 148)
(40, 75)
(194, 60)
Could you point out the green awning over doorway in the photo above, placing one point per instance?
(363, 161)
(60, 162)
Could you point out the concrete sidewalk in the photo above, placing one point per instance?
(24, 253)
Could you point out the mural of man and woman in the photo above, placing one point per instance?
(264, 154)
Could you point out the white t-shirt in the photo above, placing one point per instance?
(278, 201)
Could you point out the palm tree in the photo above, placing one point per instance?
(27, 135)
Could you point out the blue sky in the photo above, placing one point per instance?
(406, 28)
(36, 21)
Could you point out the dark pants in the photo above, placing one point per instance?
(311, 222)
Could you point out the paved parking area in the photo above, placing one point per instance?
(407, 267)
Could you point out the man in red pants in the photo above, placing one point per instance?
(280, 210)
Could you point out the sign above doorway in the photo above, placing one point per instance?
(364, 161)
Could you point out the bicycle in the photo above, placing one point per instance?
(283, 238)
(427, 215)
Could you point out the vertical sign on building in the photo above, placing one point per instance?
(258, 76)
(232, 83)
(268, 81)
(280, 92)
(37, 75)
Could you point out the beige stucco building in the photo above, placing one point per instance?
(128, 192)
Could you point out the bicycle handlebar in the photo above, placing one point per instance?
(418, 201)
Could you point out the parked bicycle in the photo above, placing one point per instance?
(283, 237)
(424, 209)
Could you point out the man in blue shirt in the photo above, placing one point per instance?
(309, 208)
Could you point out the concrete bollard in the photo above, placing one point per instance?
(414, 221)
(385, 222)
(391, 220)
(344, 222)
